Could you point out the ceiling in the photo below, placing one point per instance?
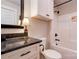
(56, 2)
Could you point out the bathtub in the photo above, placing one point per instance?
(66, 53)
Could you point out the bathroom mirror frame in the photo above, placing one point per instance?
(12, 11)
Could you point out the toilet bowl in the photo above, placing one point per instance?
(49, 53)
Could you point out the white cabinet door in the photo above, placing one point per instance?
(45, 8)
(42, 8)
(30, 52)
(11, 55)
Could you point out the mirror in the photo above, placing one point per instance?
(10, 12)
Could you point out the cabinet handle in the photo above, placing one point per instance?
(25, 53)
(47, 15)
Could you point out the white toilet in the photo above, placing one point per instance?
(49, 53)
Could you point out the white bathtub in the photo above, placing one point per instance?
(66, 53)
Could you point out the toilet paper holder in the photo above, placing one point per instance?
(42, 46)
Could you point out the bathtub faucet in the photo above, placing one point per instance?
(57, 40)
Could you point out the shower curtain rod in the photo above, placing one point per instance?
(63, 3)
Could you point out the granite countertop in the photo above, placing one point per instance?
(17, 43)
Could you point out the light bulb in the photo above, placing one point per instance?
(25, 21)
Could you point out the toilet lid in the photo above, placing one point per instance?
(52, 54)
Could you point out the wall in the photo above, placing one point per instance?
(53, 30)
(27, 7)
(68, 8)
(38, 29)
(67, 33)
(64, 25)
(66, 29)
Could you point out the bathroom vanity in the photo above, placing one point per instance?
(20, 48)
(30, 52)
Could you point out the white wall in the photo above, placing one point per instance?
(68, 8)
(38, 28)
(27, 7)
(66, 28)
(53, 29)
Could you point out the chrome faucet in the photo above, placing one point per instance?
(57, 40)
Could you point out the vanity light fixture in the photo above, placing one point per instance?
(25, 21)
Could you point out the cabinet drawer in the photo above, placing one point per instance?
(23, 53)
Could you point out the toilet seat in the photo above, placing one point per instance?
(52, 54)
